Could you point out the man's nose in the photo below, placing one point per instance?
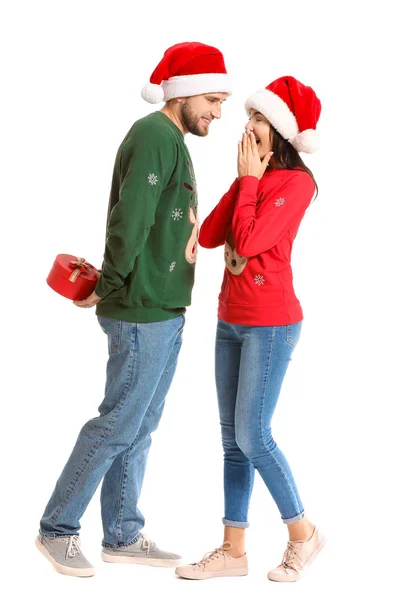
(216, 112)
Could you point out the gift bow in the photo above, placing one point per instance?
(81, 265)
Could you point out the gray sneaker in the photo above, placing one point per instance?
(65, 555)
(142, 552)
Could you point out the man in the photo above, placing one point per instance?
(143, 289)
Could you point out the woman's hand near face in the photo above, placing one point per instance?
(249, 162)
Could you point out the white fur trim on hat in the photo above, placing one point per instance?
(275, 110)
(306, 141)
(152, 93)
(183, 86)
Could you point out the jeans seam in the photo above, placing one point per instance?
(248, 489)
(133, 355)
(270, 453)
(122, 494)
(118, 344)
(265, 386)
(249, 472)
(83, 466)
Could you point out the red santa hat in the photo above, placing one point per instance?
(292, 108)
(187, 69)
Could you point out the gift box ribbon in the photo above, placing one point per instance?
(81, 266)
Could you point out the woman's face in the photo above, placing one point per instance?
(259, 125)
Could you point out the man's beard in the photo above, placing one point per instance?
(191, 122)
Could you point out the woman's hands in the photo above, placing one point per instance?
(249, 162)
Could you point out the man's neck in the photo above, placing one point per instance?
(174, 118)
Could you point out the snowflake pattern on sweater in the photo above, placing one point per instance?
(153, 179)
(177, 214)
(258, 221)
(259, 280)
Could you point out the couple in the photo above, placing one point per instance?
(143, 289)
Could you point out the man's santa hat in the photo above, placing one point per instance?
(292, 108)
(187, 69)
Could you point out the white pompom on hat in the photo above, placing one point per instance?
(292, 108)
(153, 93)
(187, 69)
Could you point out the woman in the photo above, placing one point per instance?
(259, 319)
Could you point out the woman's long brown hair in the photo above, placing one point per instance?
(285, 155)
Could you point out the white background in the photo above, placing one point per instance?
(71, 79)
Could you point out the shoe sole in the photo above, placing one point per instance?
(208, 575)
(306, 564)
(88, 572)
(138, 560)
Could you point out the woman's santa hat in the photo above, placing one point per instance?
(292, 108)
(187, 69)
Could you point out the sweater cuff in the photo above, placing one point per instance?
(249, 185)
(102, 289)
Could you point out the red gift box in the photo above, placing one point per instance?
(72, 277)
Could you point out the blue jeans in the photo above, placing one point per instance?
(115, 444)
(250, 364)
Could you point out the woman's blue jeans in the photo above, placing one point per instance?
(250, 365)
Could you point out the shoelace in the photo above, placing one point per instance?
(209, 556)
(146, 544)
(73, 544)
(290, 555)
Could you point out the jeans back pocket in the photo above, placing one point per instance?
(112, 328)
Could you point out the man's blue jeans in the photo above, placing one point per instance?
(114, 445)
(250, 364)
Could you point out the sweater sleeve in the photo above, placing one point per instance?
(255, 233)
(214, 228)
(146, 165)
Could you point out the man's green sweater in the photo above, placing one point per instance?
(152, 226)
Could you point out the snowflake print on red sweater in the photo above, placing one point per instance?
(258, 220)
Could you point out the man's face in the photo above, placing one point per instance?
(197, 112)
